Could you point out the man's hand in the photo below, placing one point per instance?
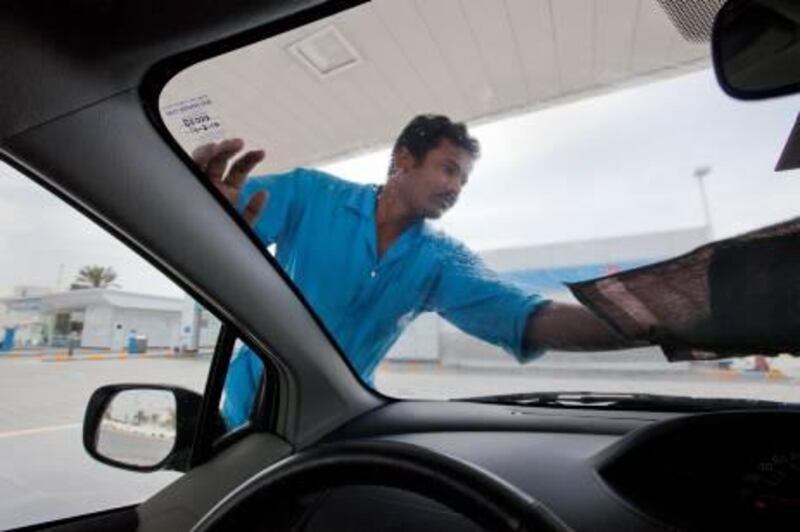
(213, 158)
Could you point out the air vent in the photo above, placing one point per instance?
(326, 53)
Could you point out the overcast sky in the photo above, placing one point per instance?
(617, 164)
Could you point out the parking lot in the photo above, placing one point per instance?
(42, 403)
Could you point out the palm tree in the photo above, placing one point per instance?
(95, 277)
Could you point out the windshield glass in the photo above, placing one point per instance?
(432, 175)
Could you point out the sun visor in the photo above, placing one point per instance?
(734, 297)
(790, 157)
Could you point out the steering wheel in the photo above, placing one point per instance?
(475, 493)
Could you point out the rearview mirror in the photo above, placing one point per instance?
(756, 48)
(141, 427)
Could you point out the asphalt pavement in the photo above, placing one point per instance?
(46, 474)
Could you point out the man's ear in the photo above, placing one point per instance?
(402, 160)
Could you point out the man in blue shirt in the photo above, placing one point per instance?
(368, 263)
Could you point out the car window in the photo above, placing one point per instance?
(79, 310)
(433, 177)
(245, 381)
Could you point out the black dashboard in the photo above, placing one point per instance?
(735, 471)
(597, 470)
(601, 470)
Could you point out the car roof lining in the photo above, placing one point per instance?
(107, 47)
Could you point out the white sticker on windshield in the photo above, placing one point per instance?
(194, 121)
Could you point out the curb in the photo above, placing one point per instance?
(139, 430)
(691, 373)
(744, 375)
(33, 354)
(64, 357)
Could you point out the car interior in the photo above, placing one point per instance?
(85, 97)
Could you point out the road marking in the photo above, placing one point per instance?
(38, 430)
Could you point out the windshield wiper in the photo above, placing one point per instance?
(630, 401)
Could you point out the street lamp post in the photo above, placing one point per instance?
(194, 345)
(700, 174)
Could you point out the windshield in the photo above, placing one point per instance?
(433, 175)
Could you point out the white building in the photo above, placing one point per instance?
(103, 318)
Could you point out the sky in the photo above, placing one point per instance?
(616, 164)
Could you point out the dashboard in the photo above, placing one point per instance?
(597, 470)
(737, 471)
(601, 470)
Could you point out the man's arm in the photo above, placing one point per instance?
(569, 327)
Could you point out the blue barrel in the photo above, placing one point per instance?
(8, 339)
(132, 344)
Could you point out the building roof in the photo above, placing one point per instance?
(632, 249)
(80, 299)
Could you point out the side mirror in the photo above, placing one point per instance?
(756, 48)
(142, 427)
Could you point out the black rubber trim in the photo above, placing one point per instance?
(211, 426)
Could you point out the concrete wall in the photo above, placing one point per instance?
(97, 326)
(420, 341)
(162, 328)
(209, 327)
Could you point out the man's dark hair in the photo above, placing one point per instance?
(424, 133)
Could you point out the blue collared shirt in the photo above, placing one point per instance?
(325, 235)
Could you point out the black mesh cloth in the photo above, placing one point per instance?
(734, 297)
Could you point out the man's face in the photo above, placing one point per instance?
(432, 186)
